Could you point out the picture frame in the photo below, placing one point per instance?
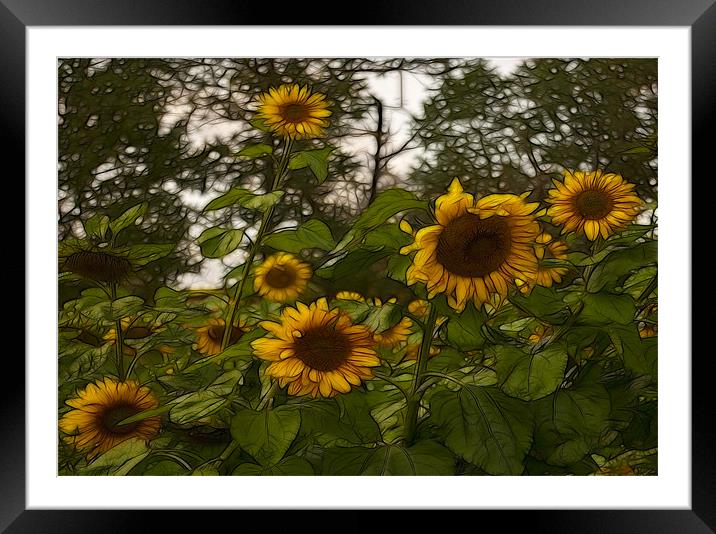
(699, 15)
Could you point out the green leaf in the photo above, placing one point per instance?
(240, 351)
(166, 298)
(543, 302)
(464, 330)
(205, 471)
(143, 254)
(484, 426)
(354, 262)
(119, 460)
(311, 234)
(617, 266)
(245, 198)
(385, 205)
(291, 466)
(194, 406)
(316, 160)
(601, 309)
(381, 318)
(97, 225)
(583, 410)
(129, 217)
(218, 242)
(259, 125)
(266, 435)
(424, 458)
(530, 376)
(636, 352)
(123, 307)
(257, 150)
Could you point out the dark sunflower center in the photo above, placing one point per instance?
(280, 276)
(295, 112)
(323, 348)
(593, 204)
(474, 247)
(98, 266)
(216, 333)
(114, 414)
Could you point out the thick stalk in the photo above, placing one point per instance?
(234, 303)
(411, 414)
(119, 339)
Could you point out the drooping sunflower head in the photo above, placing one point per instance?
(316, 350)
(99, 266)
(132, 328)
(395, 335)
(477, 248)
(92, 426)
(593, 203)
(350, 295)
(281, 277)
(293, 111)
(210, 335)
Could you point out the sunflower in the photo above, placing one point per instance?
(350, 295)
(209, 336)
(593, 203)
(477, 248)
(547, 248)
(293, 111)
(317, 350)
(93, 425)
(647, 330)
(98, 265)
(394, 335)
(281, 277)
(539, 333)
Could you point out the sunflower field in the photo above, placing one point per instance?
(357, 267)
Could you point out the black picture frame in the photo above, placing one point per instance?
(699, 15)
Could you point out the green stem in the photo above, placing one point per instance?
(265, 220)
(119, 340)
(264, 402)
(411, 414)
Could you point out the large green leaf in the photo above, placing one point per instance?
(195, 406)
(424, 458)
(616, 267)
(218, 242)
(464, 330)
(602, 309)
(266, 435)
(119, 460)
(123, 307)
(639, 354)
(245, 198)
(311, 234)
(316, 160)
(144, 254)
(257, 150)
(97, 225)
(530, 376)
(328, 423)
(484, 426)
(291, 466)
(354, 262)
(129, 217)
(166, 298)
(543, 302)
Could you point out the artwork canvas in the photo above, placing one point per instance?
(357, 266)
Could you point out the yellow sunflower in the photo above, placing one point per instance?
(593, 203)
(350, 295)
(394, 335)
(93, 425)
(547, 248)
(647, 330)
(132, 328)
(281, 277)
(539, 333)
(477, 248)
(293, 111)
(317, 350)
(209, 336)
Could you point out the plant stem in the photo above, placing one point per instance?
(269, 395)
(265, 220)
(119, 341)
(411, 414)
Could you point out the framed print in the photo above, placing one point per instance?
(433, 252)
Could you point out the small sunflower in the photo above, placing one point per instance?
(412, 350)
(647, 330)
(394, 335)
(293, 111)
(547, 248)
(593, 203)
(93, 425)
(281, 277)
(350, 295)
(209, 336)
(539, 333)
(317, 350)
(477, 248)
